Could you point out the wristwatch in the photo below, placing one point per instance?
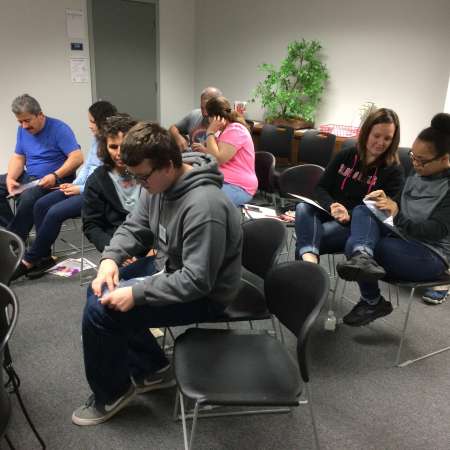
(57, 179)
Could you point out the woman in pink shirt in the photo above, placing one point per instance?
(230, 142)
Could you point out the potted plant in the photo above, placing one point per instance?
(290, 95)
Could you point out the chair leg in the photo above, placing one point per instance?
(405, 324)
(176, 406)
(313, 419)
(188, 446)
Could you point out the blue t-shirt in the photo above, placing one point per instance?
(47, 150)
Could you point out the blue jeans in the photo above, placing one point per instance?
(318, 233)
(236, 194)
(50, 212)
(401, 259)
(23, 221)
(117, 345)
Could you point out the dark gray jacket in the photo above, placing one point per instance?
(198, 235)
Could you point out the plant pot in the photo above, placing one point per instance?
(297, 124)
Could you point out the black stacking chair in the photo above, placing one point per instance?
(300, 180)
(316, 147)
(276, 140)
(348, 143)
(265, 169)
(405, 160)
(262, 243)
(235, 368)
(11, 250)
(9, 310)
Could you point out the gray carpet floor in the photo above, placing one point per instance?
(361, 400)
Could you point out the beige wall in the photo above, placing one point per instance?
(34, 50)
(394, 53)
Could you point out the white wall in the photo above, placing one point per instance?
(395, 53)
(177, 59)
(35, 53)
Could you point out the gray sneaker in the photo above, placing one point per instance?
(92, 413)
(162, 379)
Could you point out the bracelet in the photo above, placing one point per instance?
(57, 180)
(210, 134)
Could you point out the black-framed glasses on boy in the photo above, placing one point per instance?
(421, 162)
(142, 179)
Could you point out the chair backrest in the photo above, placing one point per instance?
(276, 140)
(262, 242)
(295, 293)
(316, 147)
(405, 160)
(11, 251)
(9, 310)
(349, 143)
(264, 168)
(300, 180)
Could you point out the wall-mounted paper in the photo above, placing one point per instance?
(75, 23)
(79, 70)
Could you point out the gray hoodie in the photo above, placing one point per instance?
(198, 236)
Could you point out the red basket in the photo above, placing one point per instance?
(340, 130)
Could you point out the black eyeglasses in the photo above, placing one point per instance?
(142, 179)
(421, 162)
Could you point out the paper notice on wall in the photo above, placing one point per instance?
(79, 70)
(75, 23)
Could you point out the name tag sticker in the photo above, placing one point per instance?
(162, 234)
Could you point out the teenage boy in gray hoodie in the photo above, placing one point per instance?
(195, 275)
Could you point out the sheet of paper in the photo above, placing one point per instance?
(23, 187)
(75, 23)
(310, 202)
(79, 70)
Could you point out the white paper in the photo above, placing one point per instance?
(260, 212)
(75, 23)
(309, 201)
(79, 70)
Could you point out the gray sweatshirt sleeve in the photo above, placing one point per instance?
(203, 253)
(134, 237)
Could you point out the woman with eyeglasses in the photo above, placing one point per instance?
(422, 215)
(229, 141)
(111, 192)
(371, 164)
(64, 203)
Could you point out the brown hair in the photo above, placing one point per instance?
(148, 140)
(220, 106)
(382, 115)
(112, 126)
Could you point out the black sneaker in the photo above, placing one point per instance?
(21, 270)
(360, 267)
(363, 313)
(39, 269)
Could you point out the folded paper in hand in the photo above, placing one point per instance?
(23, 187)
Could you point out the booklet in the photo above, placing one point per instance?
(23, 187)
(262, 212)
(70, 267)
(310, 202)
(384, 218)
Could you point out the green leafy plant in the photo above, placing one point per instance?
(293, 91)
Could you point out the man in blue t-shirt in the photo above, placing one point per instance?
(46, 151)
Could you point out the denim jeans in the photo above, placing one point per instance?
(236, 194)
(317, 232)
(119, 344)
(23, 221)
(401, 259)
(50, 212)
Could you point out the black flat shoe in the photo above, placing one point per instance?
(21, 270)
(39, 269)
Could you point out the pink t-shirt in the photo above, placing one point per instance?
(240, 169)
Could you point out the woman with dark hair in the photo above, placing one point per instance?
(352, 174)
(422, 215)
(230, 142)
(111, 192)
(65, 203)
